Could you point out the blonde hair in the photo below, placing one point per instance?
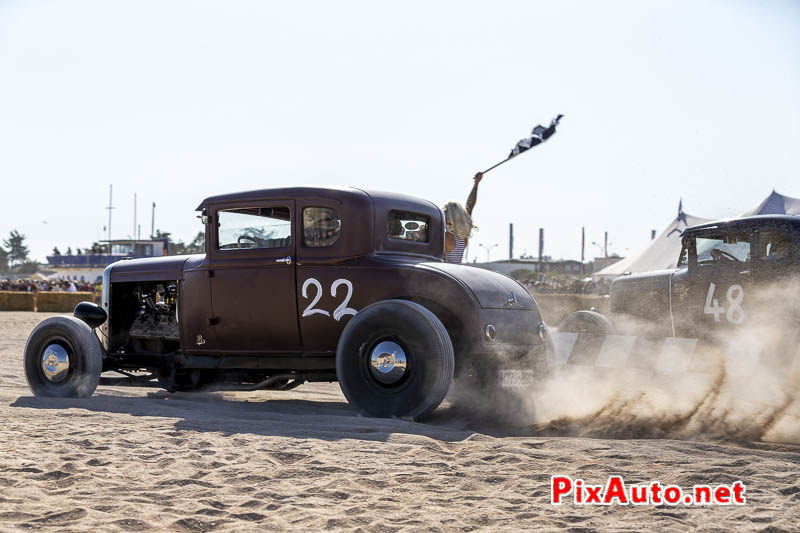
(457, 221)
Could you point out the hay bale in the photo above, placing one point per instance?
(61, 302)
(17, 301)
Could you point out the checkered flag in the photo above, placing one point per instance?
(539, 134)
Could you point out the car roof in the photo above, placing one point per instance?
(282, 192)
(755, 220)
(401, 201)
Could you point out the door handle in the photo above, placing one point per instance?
(287, 260)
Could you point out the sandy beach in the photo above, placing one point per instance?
(140, 459)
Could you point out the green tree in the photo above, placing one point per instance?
(198, 244)
(28, 267)
(17, 251)
(98, 248)
(3, 260)
(177, 248)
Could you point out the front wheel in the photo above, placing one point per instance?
(395, 359)
(586, 322)
(63, 359)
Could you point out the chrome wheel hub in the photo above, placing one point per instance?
(55, 363)
(388, 362)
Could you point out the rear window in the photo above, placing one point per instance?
(773, 245)
(321, 226)
(408, 226)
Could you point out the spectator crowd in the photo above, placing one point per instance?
(43, 285)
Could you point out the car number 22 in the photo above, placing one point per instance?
(735, 314)
(340, 311)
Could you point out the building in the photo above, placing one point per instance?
(600, 263)
(89, 267)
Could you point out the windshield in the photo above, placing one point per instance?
(721, 248)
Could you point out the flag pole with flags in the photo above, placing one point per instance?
(539, 134)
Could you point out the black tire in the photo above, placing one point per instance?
(427, 347)
(586, 322)
(85, 357)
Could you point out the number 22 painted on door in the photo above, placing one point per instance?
(340, 311)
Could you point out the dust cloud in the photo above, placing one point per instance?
(762, 405)
(747, 389)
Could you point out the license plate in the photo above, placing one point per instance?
(515, 378)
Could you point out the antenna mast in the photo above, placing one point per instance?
(110, 207)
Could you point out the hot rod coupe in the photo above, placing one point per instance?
(301, 284)
(732, 273)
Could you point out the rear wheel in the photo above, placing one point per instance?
(63, 359)
(395, 359)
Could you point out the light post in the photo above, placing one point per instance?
(603, 251)
(488, 250)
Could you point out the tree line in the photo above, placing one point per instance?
(15, 255)
(195, 246)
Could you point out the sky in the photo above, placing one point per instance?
(177, 101)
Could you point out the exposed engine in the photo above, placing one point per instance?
(157, 318)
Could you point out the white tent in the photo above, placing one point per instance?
(776, 204)
(661, 253)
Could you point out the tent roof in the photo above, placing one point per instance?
(661, 253)
(776, 204)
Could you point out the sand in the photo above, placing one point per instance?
(145, 460)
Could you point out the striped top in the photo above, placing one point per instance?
(456, 255)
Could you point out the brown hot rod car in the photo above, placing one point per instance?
(301, 284)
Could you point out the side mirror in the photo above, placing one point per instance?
(203, 217)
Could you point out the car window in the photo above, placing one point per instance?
(321, 226)
(254, 227)
(408, 226)
(683, 260)
(723, 248)
(773, 245)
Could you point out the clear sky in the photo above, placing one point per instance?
(177, 101)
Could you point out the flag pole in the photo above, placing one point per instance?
(509, 158)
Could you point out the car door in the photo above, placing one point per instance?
(775, 272)
(718, 282)
(253, 279)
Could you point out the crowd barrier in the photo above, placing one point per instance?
(555, 307)
(50, 302)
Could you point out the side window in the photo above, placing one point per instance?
(683, 260)
(723, 248)
(773, 245)
(407, 226)
(254, 227)
(321, 226)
